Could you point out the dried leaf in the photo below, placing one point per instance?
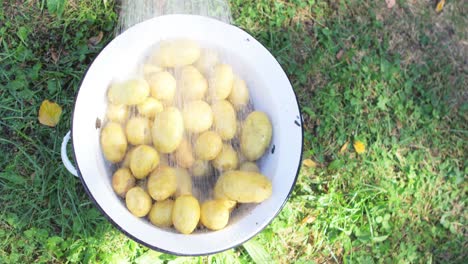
(308, 219)
(54, 55)
(96, 39)
(440, 6)
(344, 147)
(309, 163)
(359, 147)
(339, 54)
(49, 113)
(390, 3)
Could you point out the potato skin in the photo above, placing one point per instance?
(239, 96)
(113, 142)
(214, 214)
(117, 113)
(221, 82)
(207, 61)
(150, 107)
(162, 183)
(130, 92)
(184, 182)
(208, 145)
(186, 214)
(198, 116)
(176, 53)
(225, 122)
(249, 166)
(168, 130)
(227, 159)
(184, 154)
(138, 131)
(192, 85)
(122, 181)
(162, 85)
(144, 159)
(138, 202)
(128, 157)
(255, 135)
(161, 213)
(245, 186)
(218, 194)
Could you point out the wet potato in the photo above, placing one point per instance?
(113, 142)
(162, 183)
(162, 85)
(256, 135)
(208, 145)
(144, 160)
(130, 92)
(245, 186)
(122, 181)
(168, 130)
(138, 131)
(138, 202)
(225, 122)
(186, 214)
(184, 154)
(161, 213)
(150, 107)
(176, 53)
(198, 116)
(214, 214)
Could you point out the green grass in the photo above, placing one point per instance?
(399, 86)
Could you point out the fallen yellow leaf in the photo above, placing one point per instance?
(309, 163)
(49, 113)
(308, 219)
(440, 6)
(359, 147)
(344, 147)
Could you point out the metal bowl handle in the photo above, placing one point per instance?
(65, 160)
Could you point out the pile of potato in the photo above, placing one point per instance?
(184, 123)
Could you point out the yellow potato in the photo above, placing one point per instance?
(117, 113)
(130, 92)
(225, 123)
(138, 130)
(245, 186)
(113, 142)
(162, 85)
(184, 154)
(150, 107)
(126, 161)
(198, 116)
(168, 130)
(218, 194)
(184, 182)
(200, 168)
(161, 213)
(207, 61)
(226, 159)
(143, 161)
(192, 85)
(208, 145)
(186, 214)
(221, 82)
(249, 166)
(256, 135)
(122, 181)
(162, 183)
(214, 214)
(149, 69)
(176, 53)
(138, 202)
(239, 96)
